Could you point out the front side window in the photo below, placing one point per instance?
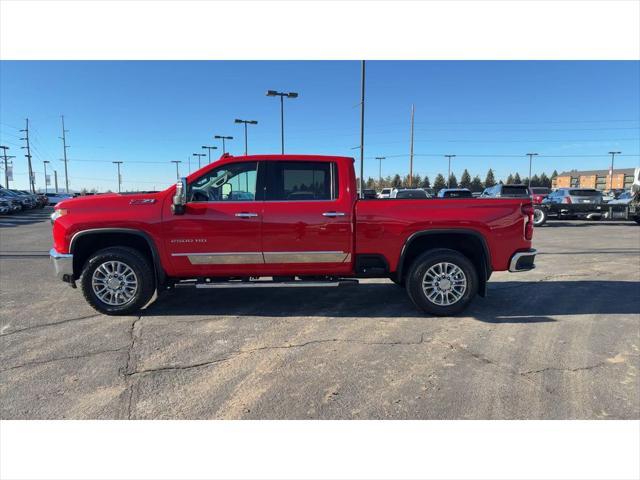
(295, 181)
(233, 182)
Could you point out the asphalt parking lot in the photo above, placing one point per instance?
(559, 342)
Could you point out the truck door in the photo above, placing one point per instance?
(219, 233)
(307, 219)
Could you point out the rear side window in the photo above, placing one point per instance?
(585, 193)
(514, 191)
(296, 181)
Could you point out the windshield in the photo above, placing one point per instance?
(540, 190)
(514, 191)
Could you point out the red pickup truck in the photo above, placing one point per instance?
(285, 220)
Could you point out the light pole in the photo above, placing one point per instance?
(380, 169)
(199, 155)
(118, 163)
(246, 122)
(6, 165)
(223, 138)
(531, 155)
(45, 175)
(209, 148)
(274, 93)
(613, 155)
(177, 162)
(449, 157)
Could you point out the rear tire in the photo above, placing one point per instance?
(117, 281)
(442, 282)
(539, 217)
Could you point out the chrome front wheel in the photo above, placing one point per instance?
(114, 282)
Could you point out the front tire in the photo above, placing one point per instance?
(117, 281)
(442, 282)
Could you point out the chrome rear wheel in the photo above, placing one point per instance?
(444, 284)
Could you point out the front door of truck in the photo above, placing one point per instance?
(219, 233)
(306, 221)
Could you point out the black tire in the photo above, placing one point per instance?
(143, 274)
(539, 216)
(418, 270)
(637, 220)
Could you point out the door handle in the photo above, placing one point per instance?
(246, 214)
(333, 214)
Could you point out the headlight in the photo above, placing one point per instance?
(58, 213)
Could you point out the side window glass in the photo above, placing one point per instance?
(234, 182)
(296, 181)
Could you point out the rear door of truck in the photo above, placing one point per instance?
(307, 218)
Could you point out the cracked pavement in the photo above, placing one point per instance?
(559, 342)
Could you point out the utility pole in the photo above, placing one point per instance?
(55, 179)
(28, 155)
(118, 163)
(449, 157)
(246, 122)
(273, 93)
(363, 74)
(531, 155)
(380, 169)
(613, 155)
(223, 138)
(177, 162)
(411, 150)
(64, 151)
(45, 176)
(209, 148)
(6, 165)
(199, 155)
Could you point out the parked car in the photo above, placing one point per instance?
(13, 204)
(625, 198)
(507, 191)
(25, 202)
(409, 193)
(455, 193)
(385, 193)
(4, 207)
(574, 196)
(124, 248)
(57, 197)
(430, 191)
(369, 193)
(538, 194)
(609, 195)
(570, 203)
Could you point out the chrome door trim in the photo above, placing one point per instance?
(333, 214)
(306, 257)
(222, 258)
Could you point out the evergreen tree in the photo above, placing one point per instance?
(516, 178)
(545, 181)
(535, 181)
(490, 179)
(426, 183)
(465, 180)
(509, 180)
(396, 182)
(417, 181)
(476, 184)
(439, 182)
(453, 181)
(370, 183)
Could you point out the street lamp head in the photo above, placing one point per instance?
(46, 161)
(253, 122)
(271, 93)
(615, 153)
(292, 95)
(237, 120)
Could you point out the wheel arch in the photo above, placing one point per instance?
(86, 242)
(470, 243)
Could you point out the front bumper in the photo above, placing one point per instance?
(523, 261)
(62, 264)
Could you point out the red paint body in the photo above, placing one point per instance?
(380, 227)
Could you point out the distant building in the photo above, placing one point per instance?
(599, 179)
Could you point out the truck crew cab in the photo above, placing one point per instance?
(284, 220)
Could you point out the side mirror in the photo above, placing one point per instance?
(180, 197)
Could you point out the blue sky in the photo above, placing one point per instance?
(489, 114)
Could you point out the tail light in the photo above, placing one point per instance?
(527, 210)
(566, 199)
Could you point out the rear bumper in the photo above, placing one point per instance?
(62, 264)
(523, 261)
